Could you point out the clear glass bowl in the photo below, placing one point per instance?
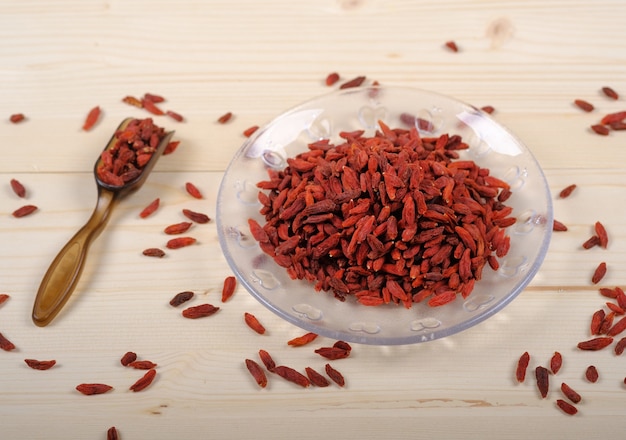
(491, 146)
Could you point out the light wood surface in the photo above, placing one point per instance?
(529, 59)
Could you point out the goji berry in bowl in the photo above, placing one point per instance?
(384, 215)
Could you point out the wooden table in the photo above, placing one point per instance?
(58, 59)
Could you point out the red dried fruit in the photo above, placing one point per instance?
(90, 389)
(591, 373)
(584, 105)
(488, 109)
(570, 393)
(144, 381)
(17, 117)
(557, 226)
(4, 297)
(302, 340)
(291, 375)
(267, 360)
(596, 322)
(128, 357)
(332, 78)
(193, 190)
(599, 273)
(171, 147)
(343, 345)
(178, 228)
(250, 130)
(179, 242)
(142, 365)
(354, 82)
(566, 407)
(391, 207)
(620, 346)
(40, 365)
(591, 242)
(617, 328)
(257, 373)
(181, 298)
(556, 362)
(154, 252)
(23, 211)
(316, 378)
(615, 308)
(335, 375)
(543, 380)
(452, 46)
(600, 129)
(609, 92)
(567, 191)
(153, 98)
(5, 344)
(228, 288)
(112, 433)
(225, 118)
(596, 343)
(522, 365)
(197, 217)
(253, 323)
(333, 353)
(613, 117)
(131, 100)
(175, 116)
(92, 118)
(152, 107)
(200, 311)
(151, 208)
(18, 188)
(603, 238)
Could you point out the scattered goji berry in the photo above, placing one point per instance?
(302, 340)
(151, 208)
(257, 373)
(143, 381)
(92, 118)
(181, 298)
(335, 375)
(253, 323)
(18, 188)
(179, 242)
(228, 288)
(200, 311)
(40, 365)
(90, 389)
(25, 210)
(128, 357)
(154, 252)
(193, 190)
(197, 217)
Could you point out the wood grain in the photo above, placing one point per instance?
(59, 58)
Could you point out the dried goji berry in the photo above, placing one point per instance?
(90, 389)
(608, 91)
(557, 226)
(181, 298)
(617, 328)
(228, 288)
(200, 311)
(596, 343)
(250, 130)
(333, 353)
(177, 228)
(154, 98)
(175, 116)
(4, 297)
(584, 105)
(452, 46)
(171, 147)
(225, 118)
(291, 375)
(25, 210)
(152, 107)
(193, 190)
(335, 375)
(17, 117)
(599, 273)
(92, 118)
(522, 365)
(267, 360)
(332, 78)
(620, 346)
(112, 433)
(142, 365)
(316, 378)
(197, 217)
(566, 407)
(5, 344)
(570, 393)
(133, 101)
(613, 117)
(257, 373)
(18, 188)
(302, 340)
(556, 362)
(354, 82)
(143, 381)
(148, 210)
(591, 373)
(543, 380)
(177, 243)
(254, 323)
(600, 129)
(603, 238)
(40, 365)
(128, 357)
(567, 191)
(153, 252)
